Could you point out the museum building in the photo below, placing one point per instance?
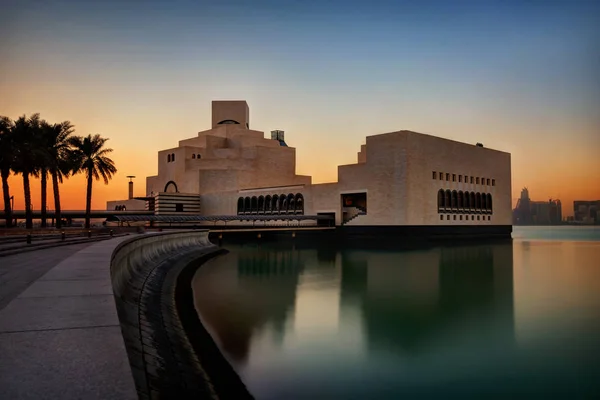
(401, 181)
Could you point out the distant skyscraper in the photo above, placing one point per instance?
(586, 211)
(530, 212)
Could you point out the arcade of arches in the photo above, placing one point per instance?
(464, 202)
(271, 204)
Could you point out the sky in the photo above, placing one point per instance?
(517, 76)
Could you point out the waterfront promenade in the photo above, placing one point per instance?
(59, 332)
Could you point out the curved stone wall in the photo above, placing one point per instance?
(151, 278)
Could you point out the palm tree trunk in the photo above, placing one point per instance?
(56, 199)
(88, 200)
(27, 190)
(6, 193)
(44, 194)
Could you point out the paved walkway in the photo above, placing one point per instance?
(60, 337)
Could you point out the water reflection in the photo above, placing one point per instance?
(307, 322)
(411, 299)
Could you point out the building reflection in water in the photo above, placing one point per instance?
(352, 304)
(410, 300)
(239, 293)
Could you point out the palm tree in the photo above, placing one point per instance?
(6, 162)
(56, 138)
(27, 154)
(90, 157)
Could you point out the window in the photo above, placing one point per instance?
(472, 217)
(168, 158)
(178, 207)
(478, 218)
(488, 181)
(447, 176)
(477, 180)
(193, 156)
(448, 217)
(460, 178)
(455, 217)
(482, 180)
(453, 177)
(471, 179)
(198, 156)
(493, 182)
(434, 175)
(461, 217)
(489, 217)
(172, 156)
(441, 217)
(441, 176)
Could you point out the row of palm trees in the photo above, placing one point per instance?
(33, 147)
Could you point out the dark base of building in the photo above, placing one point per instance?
(386, 236)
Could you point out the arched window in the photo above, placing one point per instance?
(193, 156)
(172, 156)
(247, 205)
(198, 156)
(268, 204)
(240, 206)
(478, 202)
(467, 203)
(454, 200)
(290, 203)
(473, 205)
(254, 205)
(441, 200)
(489, 203)
(299, 203)
(282, 199)
(461, 202)
(448, 200)
(171, 187)
(168, 158)
(261, 204)
(483, 203)
(275, 204)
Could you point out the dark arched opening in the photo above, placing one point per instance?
(247, 205)
(228, 122)
(240, 206)
(461, 201)
(448, 200)
(299, 203)
(254, 205)
(467, 203)
(473, 205)
(268, 204)
(275, 204)
(489, 203)
(441, 200)
(168, 158)
(172, 156)
(478, 202)
(169, 185)
(261, 204)
(193, 156)
(454, 200)
(484, 203)
(281, 208)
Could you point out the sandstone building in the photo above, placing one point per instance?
(401, 181)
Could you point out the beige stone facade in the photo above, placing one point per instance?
(400, 178)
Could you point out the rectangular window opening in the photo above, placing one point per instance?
(460, 178)
(488, 181)
(447, 176)
(471, 179)
(477, 181)
(434, 175)
(493, 182)
(454, 217)
(453, 177)
(461, 217)
(178, 207)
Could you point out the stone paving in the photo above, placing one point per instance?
(59, 332)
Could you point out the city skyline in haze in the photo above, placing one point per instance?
(519, 77)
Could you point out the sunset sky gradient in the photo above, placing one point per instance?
(518, 76)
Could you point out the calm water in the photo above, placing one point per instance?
(476, 321)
